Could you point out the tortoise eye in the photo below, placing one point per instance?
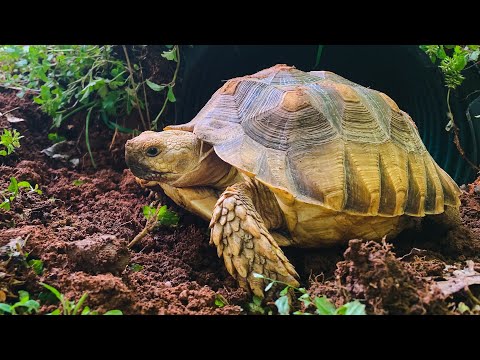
(152, 151)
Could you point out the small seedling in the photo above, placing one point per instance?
(55, 138)
(71, 308)
(9, 140)
(164, 216)
(156, 216)
(13, 190)
(24, 306)
(78, 182)
(136, 267)
(36, 265)
(220, 301)
(322, 305)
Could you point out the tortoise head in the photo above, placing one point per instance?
(164, 156)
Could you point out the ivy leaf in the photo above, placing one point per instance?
(170, 55)
(324, 306)
(171, 95)
(283, 305)
(352, 308)
(153, 86)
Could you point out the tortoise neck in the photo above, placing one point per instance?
(210, 171)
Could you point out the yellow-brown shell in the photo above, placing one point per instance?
(321, 139)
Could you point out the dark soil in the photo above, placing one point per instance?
(80, 227)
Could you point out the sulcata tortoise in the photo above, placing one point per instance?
(291, 158)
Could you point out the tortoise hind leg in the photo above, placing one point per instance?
(240, 235)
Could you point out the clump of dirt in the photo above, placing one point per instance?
(372, 272)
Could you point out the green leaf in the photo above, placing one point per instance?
(170, 55)
(441, 53)
(53, 290)
(282, 305)
(153, 86)
(23, 296)
(85, 311)
(136, 267)
(171, 95)
(284, 291)
(78, 182)
(13, 187)
(23, 184)
(305, 298)
(324, 306)
(461, 308)
(353, 308)
(77, 307)
(56, 138)
(258, 276)
(147, 211)
(319, 56)
(37, 266)
(257, 300)
(220, 301)
(31, 305)
(114, 312)
(474, 55)
(269, 286)
(55, 312)
(6, 308)
(167, 217)
(3, 153)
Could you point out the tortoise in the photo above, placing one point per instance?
(291, 158)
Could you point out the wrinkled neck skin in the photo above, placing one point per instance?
(211, 171)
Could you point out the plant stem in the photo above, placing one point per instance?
(151, 222)
(132, 81)
(171, 84)
(87, 140)
(147, 110)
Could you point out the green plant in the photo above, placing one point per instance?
(322, 305)
(78, 182)
(69, 307)
(156, 216)
(13, 190)
(87, 80)
(452, 60)
(24, 306)
(163, 215)
(54, 137)
(9, 140)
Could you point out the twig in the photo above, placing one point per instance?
(132, 81)
(456, 137)
(149, 226)
(471, 296)
(9, 111)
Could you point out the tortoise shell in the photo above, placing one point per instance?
(325, 140)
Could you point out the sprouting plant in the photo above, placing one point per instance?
(24, 306)
(9, 141)
(78, 182)
(13, 190)
(452, 60)
(69, 307)
(55, 138)
(322, 305)
(162, 214)
(156, 216)
(220, 301)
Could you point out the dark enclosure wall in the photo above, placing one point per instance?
(404, 72)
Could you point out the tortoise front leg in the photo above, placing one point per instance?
(240, 235)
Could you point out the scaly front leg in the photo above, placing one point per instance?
(240, 235)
